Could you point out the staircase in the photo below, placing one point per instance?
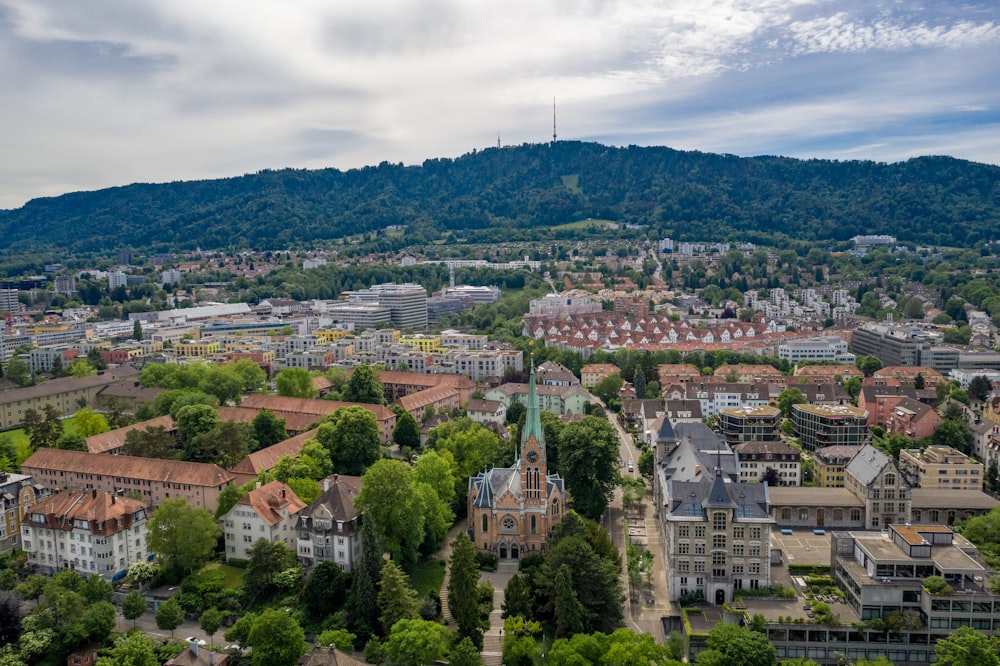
(492, 653)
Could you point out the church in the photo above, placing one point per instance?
(513, 509)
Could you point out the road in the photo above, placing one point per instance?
(644, 608)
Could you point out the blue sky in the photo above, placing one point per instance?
(102, 93)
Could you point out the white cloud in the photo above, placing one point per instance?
(107, 93)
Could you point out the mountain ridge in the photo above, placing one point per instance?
(512, 192)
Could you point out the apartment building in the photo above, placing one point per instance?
(156, 480)
(90, 531)
(329, 529)
(818, 426)
(941, 467)
(829, 464)
(268, 512)
(18, 493)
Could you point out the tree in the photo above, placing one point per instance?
(589, 459)
(353, 438)
(966, 647)
(788, 398)
(132, 649)
(980, 387)
(607, 389)
(516, 597)
(406, 432)
(182, 536)
(89, 423)
(462, 585)
(570, 613)
(10, 617)
(364, 386)
(465, 653)
(45, 429)
(647, 460)
(919, 382)
(363, 602)
(137, 331)
(82, 367)
(169, 615)
(519, 645)
(416, 642)
(276, 638)
(396, 599)
(268, 429)
(295, 383)
(342, 639)
(953, 433)
(133, 606)
(516, 412)
(389, 499)
(142, 572)
(18, 372)
(193, 420)
(251, 374)
(210, 621)
(731, 645)
(868, 364)
(153, 442)
(267, 559)
(324, 591)
(72, 441)
(227, 443)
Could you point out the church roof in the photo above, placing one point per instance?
(533, 418)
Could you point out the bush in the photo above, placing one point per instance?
(487, 561)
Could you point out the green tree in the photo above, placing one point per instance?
(267, 560)
(788, 398)
(465, 653)
(462, 584)
(980, 387)
(82, 367)
(227, 443)
(133, 606)
(342, 639)
(414, 642)
(517, 598)
(868, 364)
(353, 438)
(132, 649)
(389, 499)
(137, 331)
(295, 383)
(276, 638)
(251, 374)
(966, 647)
(607, 389)
(589, 459)
(89, 423)
(169, 615)
(364, 386)
(324, 591)
(268, 429)
(45, 429)
(953, 433)
(193, 420)
(363, 602)
(182, 536)
(210, 621)
(569, 612)
(396, 599)
(519, 645)
(731, 645)
(406, 432)
(18, 372)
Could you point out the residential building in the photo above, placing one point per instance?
(760, 423)
(941, 467)
(486, 411)
(196, 655)
(65, 394)
(90, 531)
(329, 529)
(874, 479)
(407, 303)
(817, 426)
(829, 463)
(268, 512)
(827, 374)
(318, 408)
(18, 493)
(822, 348)
(773, 461)
(43, 359)
(157, 480)
(197, 348)
(911, 418)
(551, 373)
(556, 399)
(593, 373)
(65, 285)
(512, 510)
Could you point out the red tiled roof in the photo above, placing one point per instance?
(115, 439)
(271, 497)
(132, 467)
(267, 458)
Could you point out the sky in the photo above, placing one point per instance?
(103, 93)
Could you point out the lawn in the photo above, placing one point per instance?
(233, 575)
(426, 577)
(585, 224)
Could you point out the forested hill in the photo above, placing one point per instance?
(515, 192)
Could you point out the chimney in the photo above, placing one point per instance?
(194, 647)
(112, 499)
(258, 485)
(326, 485)
(94, 493)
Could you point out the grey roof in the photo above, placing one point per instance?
(666, 432)
(692, 499)
(492, 483)
(701, 436)
(697, 453)
(867, 464)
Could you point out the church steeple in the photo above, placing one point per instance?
(532, 417)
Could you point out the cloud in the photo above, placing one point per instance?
(107, 93)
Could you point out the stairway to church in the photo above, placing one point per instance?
(492, 653)
(445, 608)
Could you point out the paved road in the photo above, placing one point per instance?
(644, 607)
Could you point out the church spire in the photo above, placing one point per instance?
(532, 417)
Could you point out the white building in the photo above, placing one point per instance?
(329, 529)
(268, 512)
(825, 348)
(117, 279)
(90, 531)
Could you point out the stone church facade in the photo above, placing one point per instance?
(513, 509)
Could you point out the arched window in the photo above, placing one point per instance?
(555, 507)
(486, 525)
(803, 514)
(838, 514)
(890, 480)
(533, 525)
(786, 513)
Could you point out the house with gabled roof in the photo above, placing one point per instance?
(329, 529)
(268, 512)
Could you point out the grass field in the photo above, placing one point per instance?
(426, 577)
(233, 575)
(584, 224)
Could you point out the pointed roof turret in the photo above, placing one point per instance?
(532, 417)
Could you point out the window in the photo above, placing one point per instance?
(683, 548)
(699, 548)
(699, 531)
(533, 527)
(738, 549)
(855, 515)
(754, 568)
(486, 527)
(684, 531)
(803, 514)
(719, 521)
(508, 523)
(738, 532)
(890, 480)
(683, 565)
(754, 551)
(718, 558)
(699, 566)
(718, 541)
(754, 532)
(786, 514)
(838, 514)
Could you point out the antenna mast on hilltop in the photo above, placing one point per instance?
(553, 119)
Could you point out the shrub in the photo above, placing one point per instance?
(487, 561)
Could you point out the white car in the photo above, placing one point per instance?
(631, 467)
(195, 639)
